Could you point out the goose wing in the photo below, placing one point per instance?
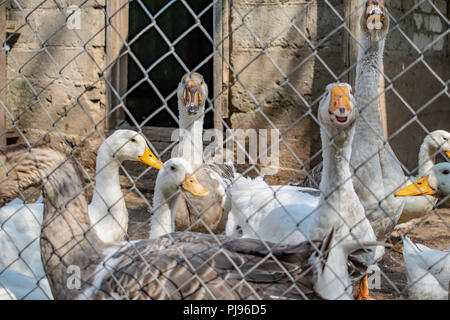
(199, 266)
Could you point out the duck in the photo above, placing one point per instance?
(177, 265)
(419, 206)
(21, 223)
(435, 183)
(207, 214)
(427, 271)
(286, 215)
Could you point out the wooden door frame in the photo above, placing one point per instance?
(117, 74)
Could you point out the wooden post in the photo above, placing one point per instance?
(353, 10)
(2, 75)
(350, 47)
(117, 75)
(382, 103)
(220, 23)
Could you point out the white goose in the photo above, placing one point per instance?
(177, 265)
(21, 223)
(427, 270)
(434, 142)
(283, 214)
(435, 183)
(212, 209)
(377, 170)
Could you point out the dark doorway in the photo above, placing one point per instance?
(192, 49)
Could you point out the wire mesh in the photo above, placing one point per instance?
(74, 73)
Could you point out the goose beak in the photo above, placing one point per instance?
(447, 153)
(192, 98)
(192, 185)
(375, 15)
(149, 158)
(340, 107)
(418, 188)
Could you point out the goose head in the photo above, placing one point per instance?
(177, 172)
(436, 183)
(337, 109)
(438, 140)
(375, 21)
(130, 145)
(192, 93)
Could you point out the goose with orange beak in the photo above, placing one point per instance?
(436, 183)
(200, 214)
(285, 214)
(175, 173)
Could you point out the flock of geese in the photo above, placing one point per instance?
(248, 239)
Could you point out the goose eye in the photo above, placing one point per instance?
(172, 168)
(446, 172)
(133, 140)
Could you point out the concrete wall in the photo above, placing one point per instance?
(317, 21)
(417, 85)
(54, 74)
(288, 53)
(262, 97)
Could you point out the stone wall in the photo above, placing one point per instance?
(278, 85)
(415, 76)
(274, 101)
(54, 74)
(279, 76)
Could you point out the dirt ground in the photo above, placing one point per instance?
(432, 231)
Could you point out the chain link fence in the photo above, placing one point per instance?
(75, 72)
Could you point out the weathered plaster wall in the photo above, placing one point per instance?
(281, 68)
(54, 73)
(309, 71)
(416, 76)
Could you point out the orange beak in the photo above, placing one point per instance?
(149, 158)
(419, 188)
(192, 185)
(192, 97)
(340, 105)
(375, 14)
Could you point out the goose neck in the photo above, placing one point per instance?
(163, 219)
(191, 138)
(107, 197)
(426, 158)
(336, 158)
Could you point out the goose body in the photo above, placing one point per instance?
(23, 287)
(427, 271)
(21, 223)
(416, 207)
(193, 213)
(162, 267)
(288, 215)
(271, 213)
(378, 171)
